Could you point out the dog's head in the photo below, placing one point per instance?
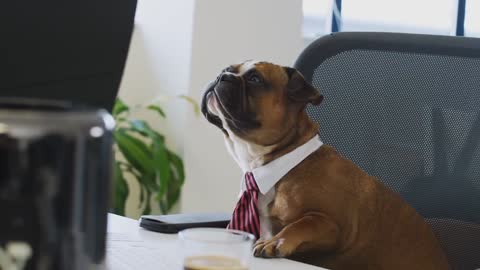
(258, 102)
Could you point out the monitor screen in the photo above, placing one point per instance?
(64, 50)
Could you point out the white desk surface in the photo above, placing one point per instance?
(131, 247)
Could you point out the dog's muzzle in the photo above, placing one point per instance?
(232, 102)
(208, 94)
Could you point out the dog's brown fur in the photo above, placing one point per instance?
(326, 211)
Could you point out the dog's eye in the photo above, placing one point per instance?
(254, 78)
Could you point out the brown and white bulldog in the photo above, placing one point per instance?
(325, 210)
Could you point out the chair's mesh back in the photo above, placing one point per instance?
(413, 121)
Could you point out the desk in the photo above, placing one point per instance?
(130, 247)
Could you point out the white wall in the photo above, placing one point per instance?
(177, 48)
(159, 64)
(227, 32)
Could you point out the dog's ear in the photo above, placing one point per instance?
(299, 90)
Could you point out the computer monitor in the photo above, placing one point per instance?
(64, 50)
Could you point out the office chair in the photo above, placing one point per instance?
(406, 109)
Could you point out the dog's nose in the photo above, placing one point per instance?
(228, 77)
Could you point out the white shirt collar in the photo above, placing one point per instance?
(268, 175)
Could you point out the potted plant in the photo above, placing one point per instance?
(141, 152)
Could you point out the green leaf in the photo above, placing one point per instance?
(121, 190)
(145, 186)
(121, 119)
(177, 163)
(147, 210)
(173, 199)
(163, 208)
(177, 177)
(143, 128)
(157, 109)
(135, 152)
(148, 181)
(142, 196)
(119, 107)
(140, 126)
(159, 171)
(162, 167)
(196, 107)
(173, 195)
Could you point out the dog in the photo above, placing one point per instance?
(324, 210)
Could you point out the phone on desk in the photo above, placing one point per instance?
(177, 222)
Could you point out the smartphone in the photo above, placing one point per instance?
(177, 222)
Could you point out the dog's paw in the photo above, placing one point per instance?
(273, 248)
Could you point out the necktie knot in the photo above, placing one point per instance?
(245, 216)
(250, 182)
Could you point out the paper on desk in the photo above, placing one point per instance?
(127, 251)
(131, 256)
(123, 237)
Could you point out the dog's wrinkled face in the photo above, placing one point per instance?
(257, 101)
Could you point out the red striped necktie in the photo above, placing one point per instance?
(245, 216)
